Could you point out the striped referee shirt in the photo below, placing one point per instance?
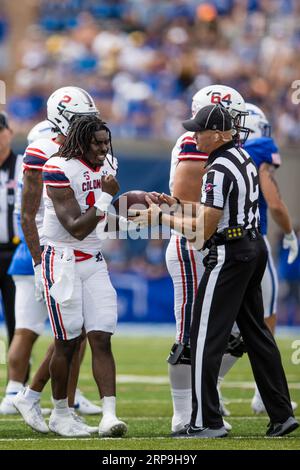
(231, 184)
(9, 172)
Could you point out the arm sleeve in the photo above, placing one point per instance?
(215, 189)
(54, 175)
(34, 159)
(189, 151)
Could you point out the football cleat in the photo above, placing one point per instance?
(66, 426)
(111, 426)
(79, 419)
(31, 412)
(258, 406)
(85, 406)
(7, 406)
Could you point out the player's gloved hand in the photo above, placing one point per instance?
(39, 286)
(149, 217)
(290, 242)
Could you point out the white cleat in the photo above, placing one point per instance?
(84, 425)
(227, 426)
(66, 426)
(111, 426)
(85, 406)
(258, 406)
(7, 405)
(31, 412)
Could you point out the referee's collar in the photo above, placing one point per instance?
(215, 153)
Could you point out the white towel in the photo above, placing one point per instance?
(63, 287)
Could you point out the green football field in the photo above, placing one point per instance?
(144, 403)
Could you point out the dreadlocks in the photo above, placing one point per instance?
(80, 135)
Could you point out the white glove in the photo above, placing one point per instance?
(290, 242)
(38, 282)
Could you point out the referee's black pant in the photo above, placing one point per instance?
(7, 287)
(229, 291)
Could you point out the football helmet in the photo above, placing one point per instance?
(228, 97)
(42, 130)
(257, 122)
(67, 102)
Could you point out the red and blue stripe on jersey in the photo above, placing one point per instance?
(34, 159)
(52, 306)
(189, 279)
(189, 150)
(55, 176)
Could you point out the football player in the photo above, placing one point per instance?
(62, 106)
(79, 187)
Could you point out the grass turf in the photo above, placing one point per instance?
(144, 403)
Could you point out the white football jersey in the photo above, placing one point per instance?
(86, 184)
(184, 149)
(35, 157)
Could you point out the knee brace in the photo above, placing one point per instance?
(236, 346)
(180, 354)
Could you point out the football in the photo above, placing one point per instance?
(131, 200)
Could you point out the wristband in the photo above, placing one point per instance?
(103, 202)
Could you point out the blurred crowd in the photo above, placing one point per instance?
(144, 59)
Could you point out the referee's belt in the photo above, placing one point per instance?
(231, 234)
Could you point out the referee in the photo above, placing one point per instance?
(230, 289)
(10, 166)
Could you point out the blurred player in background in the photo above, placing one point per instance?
(264, 152)
(184, 262)
(80, 185)
(29, 313)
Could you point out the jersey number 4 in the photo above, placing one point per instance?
(90, 199)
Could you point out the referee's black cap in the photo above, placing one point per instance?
(212, 117)
(3, 121)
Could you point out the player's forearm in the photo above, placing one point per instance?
(280, 215)
(31, 237)
(81, 226)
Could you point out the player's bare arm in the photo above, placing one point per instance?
(68, 210)
(31, 198)
(271, 192)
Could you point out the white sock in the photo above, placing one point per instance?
(61, 407)
(227, 362)
(109, 406)
(181, 391)
(32, 395)
(13, 387)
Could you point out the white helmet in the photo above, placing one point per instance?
(67, 102)
(228, 97)
(257, 122)
(42, 130)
